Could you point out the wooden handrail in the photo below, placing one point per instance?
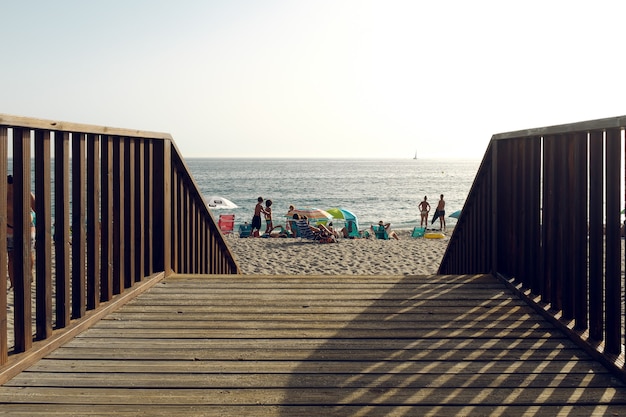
(113, 207)
(543, 214)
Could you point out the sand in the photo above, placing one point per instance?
(270, 256)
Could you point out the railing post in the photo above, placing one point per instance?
(613, 244)
(43, 239)
(163, 207)
(22, 272)
(62, 227)
(79, 174)
(93, 221)
(4, 145)
(494, 207)
(106, 232)
(596, 236)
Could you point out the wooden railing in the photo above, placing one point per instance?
(114, 208)
(544, 215)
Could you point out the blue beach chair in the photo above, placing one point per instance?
(381, 232)
(353, 229)
(418, 232)
(245, 230)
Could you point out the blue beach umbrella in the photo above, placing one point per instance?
(341, 213)
(352, 222)
(456, 214)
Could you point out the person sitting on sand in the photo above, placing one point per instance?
(387, 227)
(332, 230)
(319, 232)
(288, 223)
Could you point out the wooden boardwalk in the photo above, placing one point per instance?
(308, 346)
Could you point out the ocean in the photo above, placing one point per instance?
(373, 189)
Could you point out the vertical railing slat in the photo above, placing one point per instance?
(21, 265)
(140, 210)
(579, 229)
(596, 235)
(106, 229)
(43, 238)
(129, 208)
(62, 227)
(149, 215)
(79, 235)
(4, 328)
(93, 221)
(613, 242)
(119, 237)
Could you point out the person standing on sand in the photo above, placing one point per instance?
(441, 211)
(269, 225)
(256, 218)
(424, 208)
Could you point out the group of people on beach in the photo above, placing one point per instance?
(440, 212)
(322, 231)
(327, 231)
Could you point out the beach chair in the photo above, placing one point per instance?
(353, 229)
(418, 232)
(381, 232)
(226, 223)
(305, 232)
(293, 228)
(245, 230)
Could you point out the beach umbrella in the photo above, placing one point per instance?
(217, 202)
(341, 213)
(314, 214)
(456, 214)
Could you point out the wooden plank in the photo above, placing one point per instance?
(387, 366)
(303, 380)
(365, 351)
(331, 397)
(262, 410)
(269, 345)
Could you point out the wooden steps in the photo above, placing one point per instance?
(318, 345)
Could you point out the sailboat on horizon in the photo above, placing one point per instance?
(415, 157)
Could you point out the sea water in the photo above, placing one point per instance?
(373, 189)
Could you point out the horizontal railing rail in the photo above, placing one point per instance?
(113, 207)
(543, 213)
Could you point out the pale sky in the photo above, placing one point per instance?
(328, 78)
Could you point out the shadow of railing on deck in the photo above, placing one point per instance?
(544, 215)
(113, 208)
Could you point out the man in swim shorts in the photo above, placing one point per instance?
(256, 218)
(441, 211)
(424, 208)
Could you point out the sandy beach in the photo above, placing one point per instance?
(269, 256)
